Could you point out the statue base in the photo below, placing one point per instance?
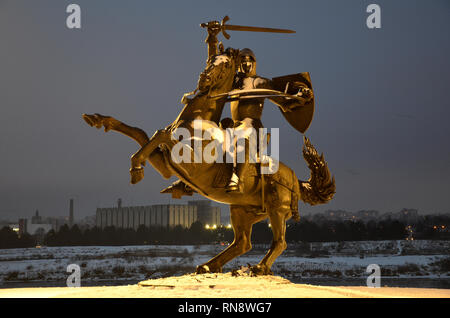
(227, 285)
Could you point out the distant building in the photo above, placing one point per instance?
(367, 215)
(41, 225)
(164, 215)
(409, 215)
(152, 215)
(206, 213)
(87, 222)
(34, 225)
(405, 215)
(36, 218)
(340, 215)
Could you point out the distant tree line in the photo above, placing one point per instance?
(303, 231)
(10, 239)
(111, 235)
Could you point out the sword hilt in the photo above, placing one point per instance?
(222, 27)
(215, 24)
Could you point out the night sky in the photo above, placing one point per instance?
(382, 103)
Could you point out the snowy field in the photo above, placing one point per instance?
(402, 263)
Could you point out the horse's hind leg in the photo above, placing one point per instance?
(145, 153)
(110, 123)
(278, 223)
(155, 158)
(242, 222)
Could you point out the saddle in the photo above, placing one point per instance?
(224, 173)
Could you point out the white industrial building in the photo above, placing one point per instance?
(35, 225)
(165, 215)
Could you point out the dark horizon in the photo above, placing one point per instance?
(224, 212)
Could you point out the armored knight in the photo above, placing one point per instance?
(246, 113)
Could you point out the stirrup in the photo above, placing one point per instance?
(233, 186)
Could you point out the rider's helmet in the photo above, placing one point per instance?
(247, 62)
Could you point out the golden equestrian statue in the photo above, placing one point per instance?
(252, 192)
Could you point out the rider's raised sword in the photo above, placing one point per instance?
(230, 27)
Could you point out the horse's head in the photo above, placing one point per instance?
(219, 73)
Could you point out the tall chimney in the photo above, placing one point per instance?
(71, 213)
(119, 203)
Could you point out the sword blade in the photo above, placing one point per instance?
(255, 29)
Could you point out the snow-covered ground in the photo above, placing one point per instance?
(345, 261)
(223, 286)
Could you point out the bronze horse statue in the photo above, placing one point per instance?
(282, 189)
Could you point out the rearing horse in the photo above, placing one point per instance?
(282, 189)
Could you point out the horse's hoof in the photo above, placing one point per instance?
(89, 119)
(137, 174)
(205, 269)
(260, 270)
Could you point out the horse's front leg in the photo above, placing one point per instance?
(242, 222)
(278, 223)
(139, 158)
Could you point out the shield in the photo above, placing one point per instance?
(300, 117)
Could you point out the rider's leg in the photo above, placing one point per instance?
(244, 148)
(233, 184)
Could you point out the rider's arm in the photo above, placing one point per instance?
(261, 82)
(303, 96)
(279, 101)
(211, 39)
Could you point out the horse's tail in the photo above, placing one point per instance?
(321, 187)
